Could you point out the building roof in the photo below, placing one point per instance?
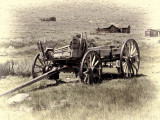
(152, 30)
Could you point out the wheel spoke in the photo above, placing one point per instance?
(128, 49)
(88, 80)
(132, 47)
(125, 50)
(100, 70)
(85, 79)
(87, 61)
(132, 69)
(134, 51)
(96, 75)
(49, 63)
(96, 63)
(129, 46)
(127, 70)
(40, 61)
(125, 57)
(135, 67)
(125, 67)
(46, 63)
(93, 61)
(124, 63)
(90, 60)
(38, 66)
(85, 72)
(85, 65)
(39, 72)
(135, 55)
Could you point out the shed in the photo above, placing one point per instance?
(48, 19)
(152, 33)
(125, 30)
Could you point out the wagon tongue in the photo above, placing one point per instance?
(47, 74)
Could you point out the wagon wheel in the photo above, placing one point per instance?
(129, 58)
(40, 66)
(91, 68)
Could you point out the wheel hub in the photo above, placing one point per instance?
(130, 59)
(47, 69)
(92, 71)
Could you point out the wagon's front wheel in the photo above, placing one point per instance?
(129, 58)
(40, 66)
(91, 68)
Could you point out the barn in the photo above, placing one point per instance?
(113, 29)
(152, 33)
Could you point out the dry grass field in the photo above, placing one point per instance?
(115, 98)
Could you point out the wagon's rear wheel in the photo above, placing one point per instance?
(41, 66)
(129, 58)
(91, 68)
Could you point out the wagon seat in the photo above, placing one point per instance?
(76, 49)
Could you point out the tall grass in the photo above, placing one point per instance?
(75, 101)
(6, 68)
(20, 68)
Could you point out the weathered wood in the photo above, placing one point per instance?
(106, 52)
(113, 29)
(96, 48)
(64, 47)
(116, 51)
(32, 81)
(48, 19)
(152, 33)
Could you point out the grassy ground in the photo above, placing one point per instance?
(115, 98)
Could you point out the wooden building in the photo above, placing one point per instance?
(152, 33)
(125, 30)
(113, 29)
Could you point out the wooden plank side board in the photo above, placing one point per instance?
(116, 51)
(76, 53)
(96, 48)
(64, 47)
(61, 54)
(106, 52)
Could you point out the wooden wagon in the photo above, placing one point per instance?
(87, 62)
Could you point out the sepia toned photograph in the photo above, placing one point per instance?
(79, 60)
